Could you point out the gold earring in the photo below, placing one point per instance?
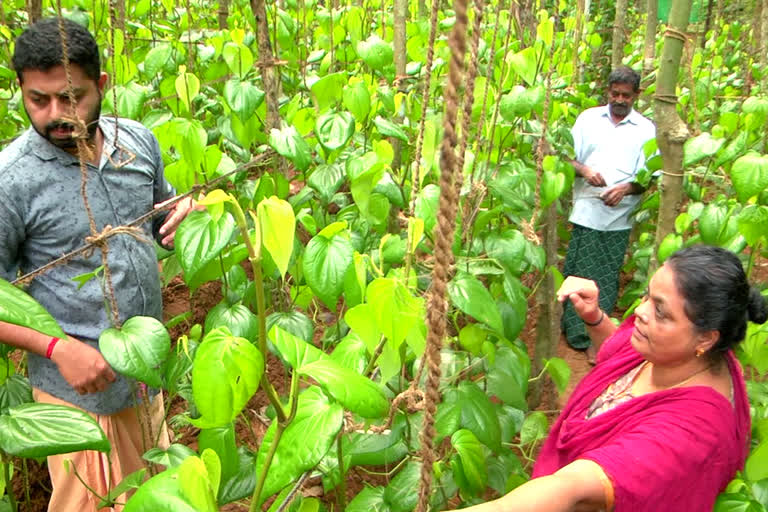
(699, 352)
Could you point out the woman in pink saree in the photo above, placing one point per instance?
(662, 421)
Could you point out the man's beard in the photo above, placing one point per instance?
(91, 124)
(619, 109)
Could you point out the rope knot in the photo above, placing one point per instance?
(100, 239)
(529, 232)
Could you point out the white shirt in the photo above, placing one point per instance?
(616, 152)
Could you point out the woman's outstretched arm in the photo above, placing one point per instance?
(580, 486)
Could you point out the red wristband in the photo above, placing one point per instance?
(51, 344)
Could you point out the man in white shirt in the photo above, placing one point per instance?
(608, 141)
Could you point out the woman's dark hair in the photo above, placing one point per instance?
(39, 48)
(716, 293)
(625, 75)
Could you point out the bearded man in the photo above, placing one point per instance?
(608, 141)
(43, 215)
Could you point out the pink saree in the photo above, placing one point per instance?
(671, 450)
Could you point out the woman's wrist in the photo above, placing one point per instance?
(597, 321)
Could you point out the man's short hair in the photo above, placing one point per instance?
(625, 75)
(39, 48)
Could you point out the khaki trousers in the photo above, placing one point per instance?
(124, 433)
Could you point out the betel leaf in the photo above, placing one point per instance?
(701, 147)
(128, 483)
(138, 349)
(290, 144)
(278, 228)
(390, 129)
(326, 261)
(367, 500)
(239, 58)
(711, 222)
(750, 175)
(426, 207)
(304, 442)
(333, 130)
(199, 240)
(222, 441)
(186, 488)
(560, 372)
(187, 86)
(469, 462)
(478, 415)
(508, 377)
(396, 310)
(243, 98)
(351, 353)
(752, 221)
(226, 373)
(469, 295)
(326, 181)
(295, 322)
(355, 392)
(552, 187)
(524, 63)
(14, 391)
(18, 308)
(240, 320)
(402, 493)
(375, 52)
(171, 458)
(39, 430)
(756, 467)
(534, 428)
(357, 100)
(327, 91)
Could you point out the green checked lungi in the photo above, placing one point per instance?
(595, 255)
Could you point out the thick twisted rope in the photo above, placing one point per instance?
(469, 94)
(446, 224)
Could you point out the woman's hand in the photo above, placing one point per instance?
(583, 294)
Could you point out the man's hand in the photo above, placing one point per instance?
(614, 195)
(82, 366)
(583, 294)
(174, 218)
(594, 178)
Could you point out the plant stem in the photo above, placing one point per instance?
(6, 462)
(375, 356)
(254, 257)
(281, 426)
(341, 493)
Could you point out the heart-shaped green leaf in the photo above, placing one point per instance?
(138, 349)
(243, 98)
(701, 147)
(18, 308)
(469, 462)
(326, 261)
(355, 392)
(750, 175)
(240, 320)
(304, 442)
(469, 295)
(226, 373)
(199, 240)
(290, 144)
(375, 52)
(39, 430)
(334, 130)
(278, 227)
